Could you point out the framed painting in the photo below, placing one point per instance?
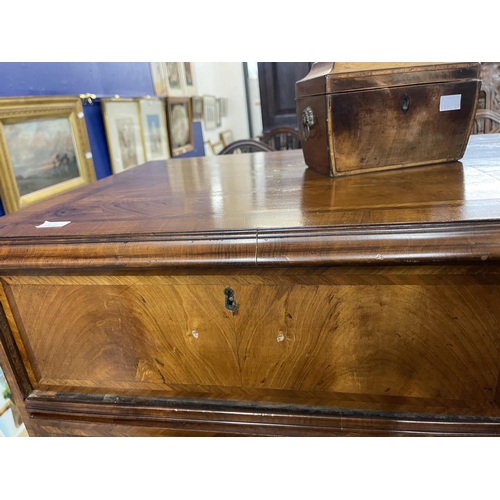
(154, 129)
(174, 79)
(218, 116)
(226, 137)
(179, 121)
(223, 103)
(197, 107)
(123, 133)
(188, 79)
(159, 77)
(209, 109)
(217, 147)
(44, 149)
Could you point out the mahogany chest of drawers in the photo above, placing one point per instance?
(250, 295)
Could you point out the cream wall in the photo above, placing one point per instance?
(224, 79)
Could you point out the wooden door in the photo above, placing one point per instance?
(277, 92)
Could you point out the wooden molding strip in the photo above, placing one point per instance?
(246, 419)
(374, 244)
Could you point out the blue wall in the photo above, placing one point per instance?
(104, 79)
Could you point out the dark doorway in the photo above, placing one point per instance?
(277, 92)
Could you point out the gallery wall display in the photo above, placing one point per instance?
(173, 79)
(209, 110)
(123, 133)
(179, 122)
(154, 129)
(44, 149)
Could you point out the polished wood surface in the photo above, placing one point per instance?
(363, 305)
(265, 208)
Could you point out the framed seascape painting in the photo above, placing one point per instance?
(154, 129)
(174, 79)
(209, 109)
(179, 120)
(188, 79)
(44, 149)
(123, 133)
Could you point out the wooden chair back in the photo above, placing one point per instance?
(282, 138)
(245, 146)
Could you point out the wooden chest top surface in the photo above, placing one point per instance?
(241, 199)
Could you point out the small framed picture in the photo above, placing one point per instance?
(189, 80)
(154, 129)
(174, 79)
(217, 147)
(223, 107)
(123, 133)
(209, 110)
(179, 122)
(226, 137)
(218, 116)
(197, 106)
(159, 77)
(44, 149)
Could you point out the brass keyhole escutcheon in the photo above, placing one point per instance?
(230, 302)
(405, 103)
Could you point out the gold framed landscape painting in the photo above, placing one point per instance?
(44, 149)
(123, 133)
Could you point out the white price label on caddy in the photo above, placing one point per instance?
(450, 102)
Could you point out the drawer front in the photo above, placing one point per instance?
(285, 340)
(126, 337)
(401, 126)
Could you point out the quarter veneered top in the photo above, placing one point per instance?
(330, 77)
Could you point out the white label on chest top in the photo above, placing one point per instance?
(54, 224)
(450, 102)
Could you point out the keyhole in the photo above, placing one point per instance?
(405, 103)
(230, 300)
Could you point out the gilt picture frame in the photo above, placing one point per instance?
(180, 126)
(154, 129)
(44, 149)
(123, 133)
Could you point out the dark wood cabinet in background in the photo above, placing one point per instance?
(277, 92)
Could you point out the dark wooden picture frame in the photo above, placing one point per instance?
(180, 125)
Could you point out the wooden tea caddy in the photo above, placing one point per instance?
(361, 117)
